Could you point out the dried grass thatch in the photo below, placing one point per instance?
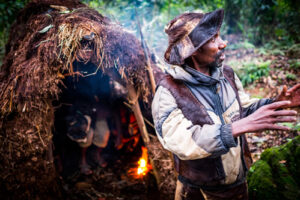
(48, 36)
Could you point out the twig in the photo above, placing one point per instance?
(73, 73)
(38, 130)
(149, 123)
(146, 120)
(44, 41)
(11, 97)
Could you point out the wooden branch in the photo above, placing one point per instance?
(146, 120)
(137, 113)
(151, 76)
(148, 63)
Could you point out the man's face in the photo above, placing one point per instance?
(211, 53)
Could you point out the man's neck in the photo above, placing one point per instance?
(193, 63)
(203, 69)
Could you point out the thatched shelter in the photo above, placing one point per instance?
(47, 40)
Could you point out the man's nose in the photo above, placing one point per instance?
(223, 44)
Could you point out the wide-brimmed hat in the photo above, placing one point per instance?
(188, 32)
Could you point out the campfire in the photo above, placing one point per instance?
(143, 167)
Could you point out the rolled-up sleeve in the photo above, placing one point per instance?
(183, 138)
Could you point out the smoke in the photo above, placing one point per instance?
(153, 17)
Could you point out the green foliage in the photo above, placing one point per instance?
(294, 127)
(242, 45)
(297, 127)
(276, 175)
(291, 76)
(294, 64)
(275, 47)
(273, 21)
(8, 13)
(153, 16)
(280, 47)
(251, 72)
(293, 51)
(260, 21)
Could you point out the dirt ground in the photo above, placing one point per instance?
(119, 179)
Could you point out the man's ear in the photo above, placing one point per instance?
(197, 51)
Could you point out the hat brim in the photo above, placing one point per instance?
(207, 28)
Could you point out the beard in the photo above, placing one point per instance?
(218, 61)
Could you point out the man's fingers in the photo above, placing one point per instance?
(277, 127)
(282, 94)
(278, 104)
(283, 128)
(284, 89)
(284, 113)
(284, 119)
(294, 88)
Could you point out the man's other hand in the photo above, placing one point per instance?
(265, 118)
(292, 94)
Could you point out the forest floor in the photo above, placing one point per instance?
(283, 70)
(119, 180)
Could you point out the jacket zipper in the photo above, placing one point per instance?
(219, 108)
(219, 111)
(219, 169)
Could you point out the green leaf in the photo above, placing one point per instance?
(46, 29)
(64, 12)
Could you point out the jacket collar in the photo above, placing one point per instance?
(190, 75)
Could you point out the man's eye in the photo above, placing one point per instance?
(213, 39)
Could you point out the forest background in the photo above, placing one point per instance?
(269, 26)
(263, 35)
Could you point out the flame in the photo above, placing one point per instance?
(143, 165)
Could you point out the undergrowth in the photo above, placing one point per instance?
(252, 71)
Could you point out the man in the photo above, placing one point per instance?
(201, 111)
(87, 130)
(85, 113)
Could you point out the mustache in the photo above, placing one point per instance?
(220, 53)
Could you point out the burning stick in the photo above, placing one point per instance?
(140, 120)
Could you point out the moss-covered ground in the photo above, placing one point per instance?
(277, 174)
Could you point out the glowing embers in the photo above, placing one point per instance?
(143, 166)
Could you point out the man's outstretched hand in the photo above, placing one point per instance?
(265, 118)
(292, 94)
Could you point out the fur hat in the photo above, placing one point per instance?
(188, 32)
